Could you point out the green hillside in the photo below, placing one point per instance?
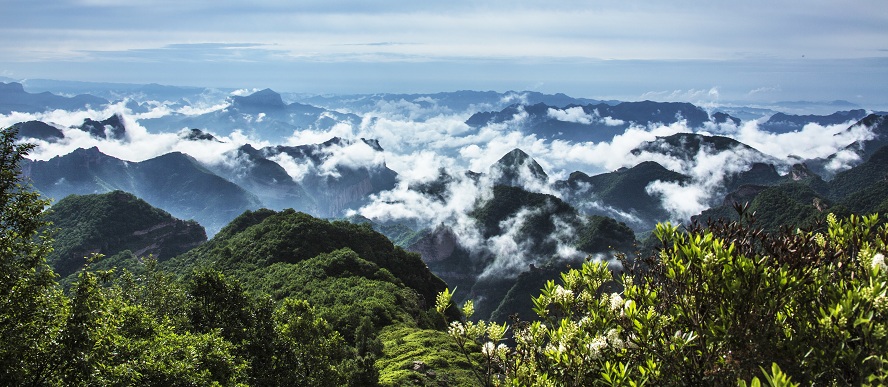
(375, 295)
(111, 223)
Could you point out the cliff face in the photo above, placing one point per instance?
(435, 246)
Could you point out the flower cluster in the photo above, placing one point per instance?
(562, 295)
(878, 262)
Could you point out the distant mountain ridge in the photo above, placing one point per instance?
(13, 97)
(263, 114)
(174, 182)
(215, 194)
(782, 123)
(450, 102)
(595, 122)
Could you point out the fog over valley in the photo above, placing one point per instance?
(484, 185)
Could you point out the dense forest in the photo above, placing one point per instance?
(283, 298)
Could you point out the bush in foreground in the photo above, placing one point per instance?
(715, 306)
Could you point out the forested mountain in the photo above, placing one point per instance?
(520, 232)
(112, 223)
(337, 185)
(802, 201)
(355, 278)
(38, 130)
(621, 191)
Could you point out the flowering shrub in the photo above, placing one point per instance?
(714, 306)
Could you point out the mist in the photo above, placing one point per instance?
(426, 143)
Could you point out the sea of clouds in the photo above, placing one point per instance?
(422, 146)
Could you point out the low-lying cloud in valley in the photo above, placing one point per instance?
(432, 152)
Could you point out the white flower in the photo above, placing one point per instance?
(881, 303)
(595, 346)
(613, 338)
(616, 302)
(709, 258)
(562, 295)
(488, 349)
(879, 262)
(456, 329)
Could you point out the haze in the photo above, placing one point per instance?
(713, 52)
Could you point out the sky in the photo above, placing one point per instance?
(716, 51)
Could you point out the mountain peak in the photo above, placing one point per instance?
(197, 135)
(515, 157)
(87, 151)
(517, 168)
(800, 171)
(39, 130)
(266, 98)
(110, 128)
(12, 87)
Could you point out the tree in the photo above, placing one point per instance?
(310, 351)
(32, 308)
(116, 335)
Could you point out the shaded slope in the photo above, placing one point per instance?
(173, 182)
(623, 190)
(113, 222)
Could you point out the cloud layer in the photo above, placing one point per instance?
(432, 155)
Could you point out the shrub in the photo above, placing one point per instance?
(713, 306)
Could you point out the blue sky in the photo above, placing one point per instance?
(718, 51)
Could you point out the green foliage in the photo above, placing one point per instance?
(714, 306)
(259, 239)
(125, 335)
(775, 379)
(310, 349)
(31, 306)
(421, 357)
(344, 288)
(113, 222)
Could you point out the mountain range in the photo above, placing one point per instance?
(14, 98)
(493, 231)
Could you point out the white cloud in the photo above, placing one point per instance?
(573, 114)
(813, 141)
(296, 170)
(576, 114)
